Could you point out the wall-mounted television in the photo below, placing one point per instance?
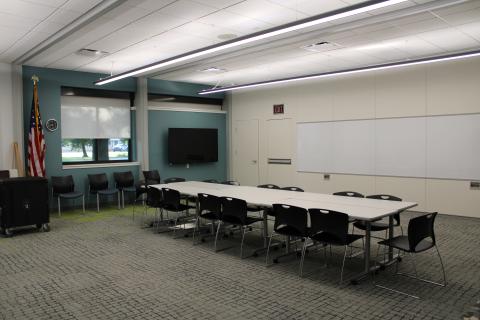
(192, 145)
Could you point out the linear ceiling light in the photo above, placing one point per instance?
(272, 32)
(347, 71)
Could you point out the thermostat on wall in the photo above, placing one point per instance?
(51, 125)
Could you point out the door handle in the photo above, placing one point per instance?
(254, 161)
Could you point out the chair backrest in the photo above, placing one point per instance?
(97, 182)
(124, 179)
(234, 209)
(268, 186)
(290, 216)
(174, 179)
(297, 189)
(4, 174)
(154, 197)
(231, 182)
(388, 197)
(209, 203)
(420, 228)
(349, 194)
(171, 198)
(62, 184)
(151, 177)
(334, 223)
(211, 181)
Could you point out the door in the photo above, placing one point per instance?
(279, 152)
(245, 152)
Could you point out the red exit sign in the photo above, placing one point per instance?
(278, 108)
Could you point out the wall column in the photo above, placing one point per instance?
(141, 105)
(17, 100)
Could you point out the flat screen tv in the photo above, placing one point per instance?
(192, 145)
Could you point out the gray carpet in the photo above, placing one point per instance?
(104, 266)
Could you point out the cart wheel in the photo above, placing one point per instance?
(45, 227)
(8, 233)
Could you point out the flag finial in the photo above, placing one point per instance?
(35, 78)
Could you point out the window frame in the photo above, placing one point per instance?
(99, 93)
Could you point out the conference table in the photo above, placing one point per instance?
(364, 209)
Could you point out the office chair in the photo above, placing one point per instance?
(64, 188)
(125, 183)
(98, 185)
(209, 208)
(297, 189)
(349, 194)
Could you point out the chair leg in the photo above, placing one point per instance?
(58, 205)
(118, 199)
(302, 259)
(443, 268)
(98, 202)
(123, 199)
(83, 203)
(268, 248)
(197, 222)
(216, 235)
(244, 229)
(343, 263)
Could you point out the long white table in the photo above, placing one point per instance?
(364, 209)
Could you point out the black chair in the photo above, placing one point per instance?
(171, 203)
(125, 183)
(420, 238)
(151, 177)
(290, 221)
(331, 228)
(268, 186)
(231, 182)
(297, 189)
(64, 188)
(379, 225)
(98, 185)
(234, 212)
(155, 200)
(210, 181)
(209, 208)
(173, 180)
(349, 194)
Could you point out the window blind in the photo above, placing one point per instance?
(95, 118)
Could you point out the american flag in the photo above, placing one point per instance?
(36, 139)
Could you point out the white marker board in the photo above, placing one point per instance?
(445, 147)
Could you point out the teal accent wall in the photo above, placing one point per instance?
(158, 124)
(180, 88)
(49, 95)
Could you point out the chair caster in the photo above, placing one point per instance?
(275, 260)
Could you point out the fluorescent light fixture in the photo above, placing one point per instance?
(392, 65)
(272, 32)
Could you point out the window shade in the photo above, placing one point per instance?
(95, 118)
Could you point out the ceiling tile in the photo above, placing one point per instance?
(449, 39)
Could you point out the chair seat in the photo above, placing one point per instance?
(253, 208)
(374, 226)
(181, 207)
(234, 220)
(129, 189)
(328, 238)
(107, 191)
(71, 195)
(209, 215)
(401, 243)
(289, 231)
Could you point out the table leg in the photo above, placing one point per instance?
(366, 255)
(265, 228)
(390, 236)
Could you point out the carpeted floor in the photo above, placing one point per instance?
(105, 266)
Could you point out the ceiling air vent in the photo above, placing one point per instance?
(322, 46)
(92, 53)
(213, 69)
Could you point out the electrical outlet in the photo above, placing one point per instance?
(326, 177)
(475, 184)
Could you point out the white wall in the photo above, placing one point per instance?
(7, 121)
(435, 89)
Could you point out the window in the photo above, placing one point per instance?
(95, 129)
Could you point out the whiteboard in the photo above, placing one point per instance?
(400, 147)
(446, 147)
(353, 147)
(453, 147)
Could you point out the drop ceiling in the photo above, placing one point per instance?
(139, 32)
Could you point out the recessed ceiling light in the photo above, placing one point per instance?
(321, 46)
(227, 36)
(212, 69)
(92, 53)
